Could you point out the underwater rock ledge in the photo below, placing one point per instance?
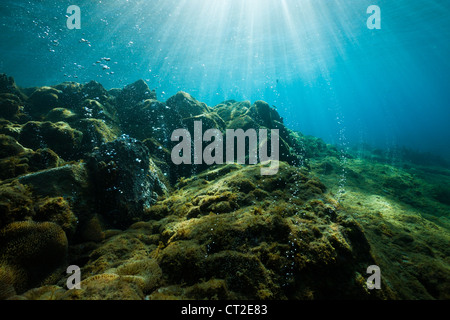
(87, 179)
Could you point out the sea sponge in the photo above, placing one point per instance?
(34, 250)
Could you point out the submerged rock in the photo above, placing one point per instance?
(201, 232)
(11, 106)
(8, 85)
(133, 94)
(59, 136)
(125, 179)
(42, 101)
(187, 106)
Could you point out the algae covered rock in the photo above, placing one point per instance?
(69, 195)
(200, 232)
(95, 132)
(16, 203)
(11, 106)
(8, 85)
(27, 162)
(42, 101)
(68, 180)
(9, 146)
(264, 236)
(124, 180)
(187, 106)
(151, 119)
(59, 136)
(61, 114)
(134, 93)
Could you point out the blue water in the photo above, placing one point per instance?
(316, 61)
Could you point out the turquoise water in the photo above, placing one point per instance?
(316, 61)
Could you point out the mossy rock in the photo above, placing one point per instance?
(42, 101)
(230, 110)
(263, 114)
(57, 210)
(59, 136)
(8, 85)
(10, 106)
(187, 106)
(16, 203)
(10, 129)
(9, 146)
(27, 162)
(150, 119)
(61, 114)
(94, 109)
(95, 133)
(134, 93)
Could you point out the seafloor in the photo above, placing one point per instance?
(86, 179)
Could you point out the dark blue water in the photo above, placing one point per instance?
(316, 61)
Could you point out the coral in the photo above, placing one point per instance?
(34, 250)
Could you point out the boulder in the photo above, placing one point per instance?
(70, 181)
(151, 119)
(59, 136)
(9, 147)
(125, 180)
(8, 85)
(187, 106)
(42, 101)
(10, 106)
(133, 94)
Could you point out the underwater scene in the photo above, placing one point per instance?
(224, 150)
